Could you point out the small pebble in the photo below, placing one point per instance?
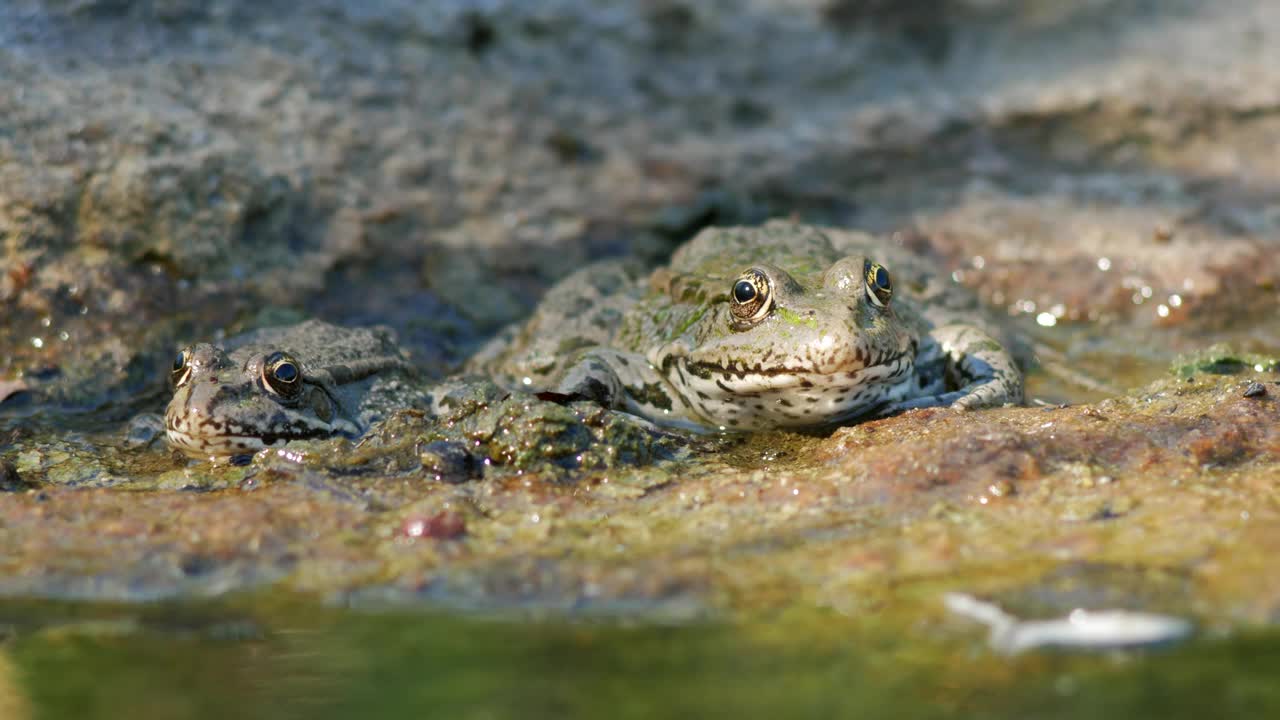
(444, 525)
(1255, 389)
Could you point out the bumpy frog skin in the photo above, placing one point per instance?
(781, 326)
(310, 380)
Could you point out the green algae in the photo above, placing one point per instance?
(1223, 360)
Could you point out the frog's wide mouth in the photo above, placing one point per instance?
(218, 445)
(854, 369)
(215, 439)
(839, 381)
(752, 398)
(814, 363)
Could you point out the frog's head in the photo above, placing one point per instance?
(777, 350)
(223, 406)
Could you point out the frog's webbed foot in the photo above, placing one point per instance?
(982, 371)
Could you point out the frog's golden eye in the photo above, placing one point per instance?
(751, 298)
(282, 374)
(879, 287)
(181, 367)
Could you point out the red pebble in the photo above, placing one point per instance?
(444, 525)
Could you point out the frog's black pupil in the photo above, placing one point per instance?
(882, 278)
(286, 372)
(744, 291)
(178, 361)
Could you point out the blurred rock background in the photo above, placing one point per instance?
(174, 169)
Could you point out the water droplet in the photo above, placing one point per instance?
(1104, 264)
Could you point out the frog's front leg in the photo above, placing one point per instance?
(624, 381)
(982, 372)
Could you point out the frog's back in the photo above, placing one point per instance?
(722, 253)
(319, 344)
(584, 310)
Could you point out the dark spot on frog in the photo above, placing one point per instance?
(591, 389)
(653, 395)
(1255, 389)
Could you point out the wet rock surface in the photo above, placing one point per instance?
(1103, 171)
(1174, 481)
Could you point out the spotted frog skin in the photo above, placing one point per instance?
(780, 326)
(310, 380)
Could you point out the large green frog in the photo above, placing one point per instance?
(310, 380)
(780, 326)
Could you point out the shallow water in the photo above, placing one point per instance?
(301, 660)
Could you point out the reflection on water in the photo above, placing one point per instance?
(317, 663)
